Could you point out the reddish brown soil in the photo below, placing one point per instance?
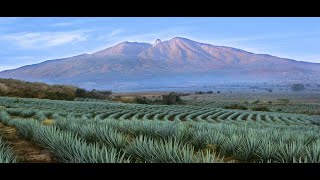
(26, 151)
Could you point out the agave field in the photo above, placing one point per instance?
(109, 132)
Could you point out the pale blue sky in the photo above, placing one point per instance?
(32, 40)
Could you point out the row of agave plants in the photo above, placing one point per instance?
(245, 142)
(75, 147)
(166, 141)
(39, 108)
(6, 153)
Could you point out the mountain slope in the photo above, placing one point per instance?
(178, 60)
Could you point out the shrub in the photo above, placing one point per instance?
(285, 101)
(199, 92)
(172, 98)
(236, 106)
(141, 100)
(261, 108)
(256, 101)
(184, 94)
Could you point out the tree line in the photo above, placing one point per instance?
(18, 88)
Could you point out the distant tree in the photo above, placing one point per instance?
(141, 100)
(106, 93)
(172, 98)
(199, 92)
(236, 106)
(297, 87)
(80, 92)
(218, 92)
(209, 92)
(261, 108)
(184, 94)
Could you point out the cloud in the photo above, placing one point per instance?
(64, 24)
(116, 32)
(110, 35)
(38, 40)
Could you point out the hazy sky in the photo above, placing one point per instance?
(31, 40)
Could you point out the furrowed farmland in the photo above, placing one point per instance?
(112, 132)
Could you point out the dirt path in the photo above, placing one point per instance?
(27, 151)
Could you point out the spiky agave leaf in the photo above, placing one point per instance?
(68, 147)
(266, 151)
(167, 129)
(209, 157)
(172, 150)
(231, 144)
(6, 153)
(216, 138)
(288, 152)
(111, 137)
(248, 147)
(4, 117)
(25, 127)
(161, 151)
(95, 153)
(313, 152)
(141, 148)
(300, 160)
(199, 139)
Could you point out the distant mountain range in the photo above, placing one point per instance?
(177, 62)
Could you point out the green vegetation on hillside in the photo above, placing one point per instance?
(17, 88)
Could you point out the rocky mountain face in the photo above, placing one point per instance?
(165, 63)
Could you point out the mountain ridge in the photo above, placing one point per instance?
(178, 60)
